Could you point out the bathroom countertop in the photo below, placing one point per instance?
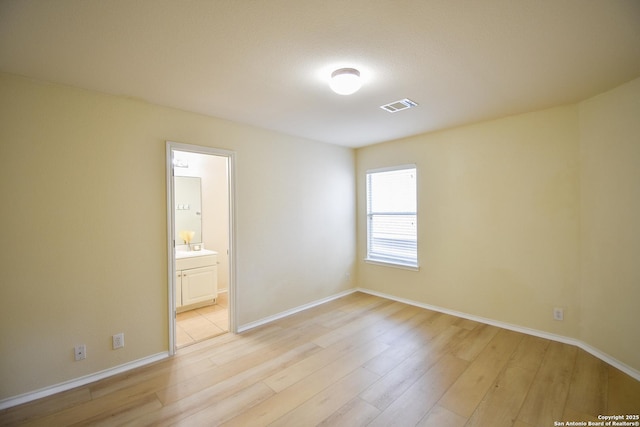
(191, 254)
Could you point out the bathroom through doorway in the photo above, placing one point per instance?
(200, 218)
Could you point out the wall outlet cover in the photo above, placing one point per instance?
(80, 352)
(118, 340)
(558, 313)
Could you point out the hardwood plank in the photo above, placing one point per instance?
(467, 324)
(354, 413)
(118, 416)
(228, 408)
(571, 414)
(292, 345)
(337, 312)
(405, 321)
(363, 321)
(304, 368)
(175, 371)
(404, 411)
(502, 403)
(623, 393)
(207, 348)
(530, 353)
(217, 391)
(384, 392)
(353, 310)
(547, 396)
(364, 302)
(45, 406)
(475, 342)
(394, 356)
(405, 339)
(290, 337)
(441, 417)
(326, 310)
(327, 319)
(436, 324)
(468, 391)
(289, 398)
(419, 329)
(587, 391)
(84, 410)
(325, 403)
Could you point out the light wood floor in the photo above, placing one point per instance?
(359, 360)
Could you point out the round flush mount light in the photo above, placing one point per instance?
(345, 81)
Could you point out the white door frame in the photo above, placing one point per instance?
(230, 155)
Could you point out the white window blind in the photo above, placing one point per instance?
(392, 216)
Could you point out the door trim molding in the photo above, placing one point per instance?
(171, 270)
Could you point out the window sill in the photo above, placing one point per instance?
(392, 264)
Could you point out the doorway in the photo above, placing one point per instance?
(200, 243)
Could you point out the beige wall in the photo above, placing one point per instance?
(526, 213)
(84, 226)
(610, 200)
(497, 219)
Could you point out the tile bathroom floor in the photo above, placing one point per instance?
(202, 323)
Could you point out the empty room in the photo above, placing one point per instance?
(300, 213)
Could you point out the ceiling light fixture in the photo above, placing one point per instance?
(345, 81)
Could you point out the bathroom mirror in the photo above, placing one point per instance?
(188, 210)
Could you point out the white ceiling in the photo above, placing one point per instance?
(266, 63)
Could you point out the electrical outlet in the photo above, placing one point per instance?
(118, 340)
(558, 313)
(80, 352)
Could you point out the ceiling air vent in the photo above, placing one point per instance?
(396, 106)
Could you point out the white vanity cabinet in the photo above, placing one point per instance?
(196, 278)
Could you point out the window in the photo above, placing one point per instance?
(392, 216)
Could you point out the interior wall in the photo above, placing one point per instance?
(85, 234)
(526, 213)
(610, 204)
(498, 224)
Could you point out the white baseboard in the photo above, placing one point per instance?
(295, 310)
(77, 382)
(542, 334)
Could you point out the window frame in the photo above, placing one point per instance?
(373, 258)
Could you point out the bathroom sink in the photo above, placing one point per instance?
(192, 254)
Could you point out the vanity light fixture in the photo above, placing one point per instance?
(345, 81)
